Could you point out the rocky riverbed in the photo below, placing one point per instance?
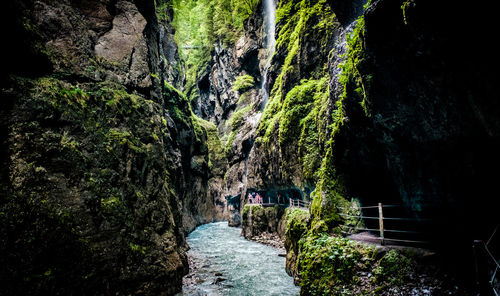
(222, 262)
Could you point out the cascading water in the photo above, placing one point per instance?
(270, 26)
(270, 41)
(270, 21)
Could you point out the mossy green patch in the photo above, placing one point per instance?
(327, 264)
(234, 123)
(236, 118)
(296, 224)
(199, 24)
(293, 116)
(243, 83)
(216, 153)
(393, 268)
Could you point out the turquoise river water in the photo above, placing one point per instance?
(224, 263)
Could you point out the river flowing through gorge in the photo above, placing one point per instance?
(222, 262)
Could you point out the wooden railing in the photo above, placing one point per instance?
(381, 229)
(298, 203)
(294, 203)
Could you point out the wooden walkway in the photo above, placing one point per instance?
(294, 203)
(382, 230)
(297, 203)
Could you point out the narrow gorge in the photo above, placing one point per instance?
(354, 144)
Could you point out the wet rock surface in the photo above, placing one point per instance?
(264, 225)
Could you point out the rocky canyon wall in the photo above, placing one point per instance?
(104, 167)
(366, 101)
(381, 101)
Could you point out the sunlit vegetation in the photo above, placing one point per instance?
(200, 25)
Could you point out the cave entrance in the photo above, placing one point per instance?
(233, 202)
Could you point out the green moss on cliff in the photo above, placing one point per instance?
(91, 159)
(255, 219)
(293, 116)
(393, 268)
(243, 83)
(296, 224)
(299, 125)
(199, 25)
(356, 85)
(330, 192)
(217, 160)
(236, 118)
(327, 264)
(234, 123)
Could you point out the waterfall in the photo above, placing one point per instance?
(270, 27)
(270, 23)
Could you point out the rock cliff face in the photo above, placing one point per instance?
(360, 110)
(265, 225)
(234, 111)
(103, 165)
(418, 126)
(382, 100)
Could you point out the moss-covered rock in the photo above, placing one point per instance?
(393, 268)
(294, 122)
(254, 220)
(88, 160)
(297, 221)
(327, 264)
(97, 150)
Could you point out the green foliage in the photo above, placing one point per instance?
(237, 117)
(294, 116)
(296, 224)
(193, 22)
(243, 83)
(162, 7)
(138, 248)
(234, 123)
(326, 264)
(393, 268)
(74, 95)
(404, 8)
(199, 24)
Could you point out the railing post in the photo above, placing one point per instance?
(381, 223)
